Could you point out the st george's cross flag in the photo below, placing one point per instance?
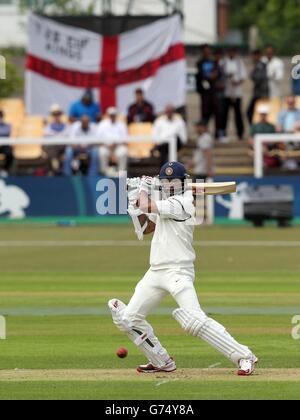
(63, 61)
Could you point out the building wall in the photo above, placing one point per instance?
(201, 20)
(12, 26)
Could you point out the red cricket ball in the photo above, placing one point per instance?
(122, 352)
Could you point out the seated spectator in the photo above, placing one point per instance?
(56, 128)
(85, 107)
(86, 130)
(169, 126)
(112, 134)
(5, 131)
(289, 119)
(141, 111)
(271, 159)
(204, 166)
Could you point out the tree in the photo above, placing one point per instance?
(59, 7)
(12, 83)
(277, 21)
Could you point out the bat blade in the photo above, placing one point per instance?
(214, 188)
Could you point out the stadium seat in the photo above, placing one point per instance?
(32, 127)
(14, 110)
(275, 106)
(12, 105)
(140, 150)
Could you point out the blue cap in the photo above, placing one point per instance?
(173, 170)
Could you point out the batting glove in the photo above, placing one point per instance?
(146, 184)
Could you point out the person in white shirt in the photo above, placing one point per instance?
(172, 219)
(204, 165)
(235, 76)
(113, 135)
(169, 126)
(275, 71)
(86, 130)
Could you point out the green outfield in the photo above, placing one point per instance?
(55, 284)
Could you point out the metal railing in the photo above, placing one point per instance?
(260, 140)
(79, 141)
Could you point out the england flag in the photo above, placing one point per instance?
(63, 61)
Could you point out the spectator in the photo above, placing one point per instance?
(169, 126)
(113, 135)
(275, 71)
(271, 159)
(289, 119)
(86, 130)
(204, 166)
(220, 92)
(141, 111)
(207, 78)
(56, 128)
(260, 80)
(85, 107)
(235, 76)
(296, 86)
(5, 131)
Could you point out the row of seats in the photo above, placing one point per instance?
(275, 105)
(33, 127)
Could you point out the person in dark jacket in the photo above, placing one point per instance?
(207, 76)
(260, 80)
(141, 111)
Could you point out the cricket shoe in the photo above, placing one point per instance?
(150, 368)
(247, 366)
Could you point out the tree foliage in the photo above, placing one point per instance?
(12, 83)
(59, 7)
(278, 21)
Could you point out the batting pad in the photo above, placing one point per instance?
(140, 333)
(198, 325)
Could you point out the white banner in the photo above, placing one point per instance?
(63, 61)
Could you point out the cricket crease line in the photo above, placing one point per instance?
(128, 375)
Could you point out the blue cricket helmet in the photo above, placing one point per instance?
(173, 170)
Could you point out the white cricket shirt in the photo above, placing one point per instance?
(172, 243)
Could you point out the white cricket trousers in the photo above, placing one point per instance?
(179, 283)
(156, 285)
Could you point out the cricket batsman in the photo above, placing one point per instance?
(171, 219)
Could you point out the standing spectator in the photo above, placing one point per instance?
(207, 77)
(5, 131)
(141, 111)
(235, 74)
(260, 80)
(220, 92)
(271, 159)
(296, 86)
(275, 70)
(86, 130)
(85, 107)
(56, 128)
(289, 119)
(169, 126)
(113, 135)
(204, 165)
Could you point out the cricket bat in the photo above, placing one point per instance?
(213, 188)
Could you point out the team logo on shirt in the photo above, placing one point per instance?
(169, 171)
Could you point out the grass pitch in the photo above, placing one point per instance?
(61, 343)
